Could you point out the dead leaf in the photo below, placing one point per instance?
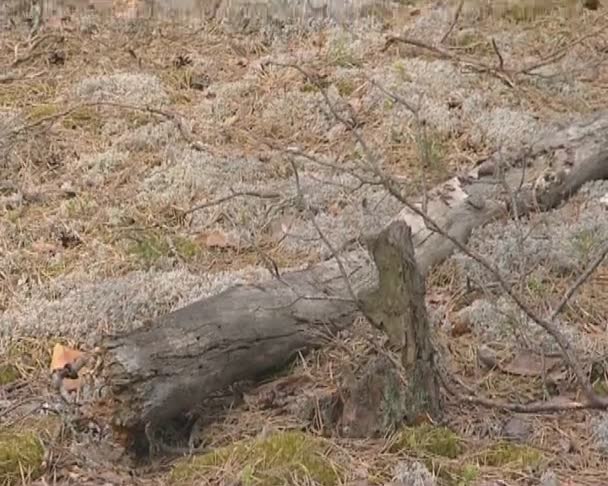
(528, 363)
(63, 355)
(459, 328)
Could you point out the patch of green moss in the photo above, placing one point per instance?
(536, 286)
(13, 215)
(8, 374)
(136, 119)
(428, 439)
(22, 449)
(341, 54)
(283, 458)
(150, 247)
(401, 71)
(345, 87)
(20, 454)
(38, 112)
(84, 117)
(81, 207)
(465, 475)
(511, 454)
(185, 247)
(531, 10)
(585, 241)
(599, 387)
(29, 355)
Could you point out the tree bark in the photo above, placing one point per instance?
(245, 332)
(378, 402)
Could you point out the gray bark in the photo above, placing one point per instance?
(397, 306)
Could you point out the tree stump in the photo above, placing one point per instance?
(399, 303)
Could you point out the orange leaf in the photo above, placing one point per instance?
(61, 356)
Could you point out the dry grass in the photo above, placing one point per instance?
(99, 192)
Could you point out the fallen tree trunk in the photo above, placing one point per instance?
(171, 365)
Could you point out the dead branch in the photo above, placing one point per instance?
(457, 13)
(563, 191)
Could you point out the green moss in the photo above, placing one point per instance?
(345, 87)
(136, 119)
(13, 215)
(22, 450)
(584, 242)
(8, 374)
(401, 71)
(464, 476)
(599, 387)
(341, 54)
(530, 10)
(84, 117)
(148, 248)
(439, 441)
(29, 355)
(537, 287)
(20, 454)
(186, 248)
(511, 454)
(283, 458)
(41, 111)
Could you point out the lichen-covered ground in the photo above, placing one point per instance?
(144, 167)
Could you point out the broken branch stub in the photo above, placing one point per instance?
(397, 306)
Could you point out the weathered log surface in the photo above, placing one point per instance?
(172, 364)
(379, 402)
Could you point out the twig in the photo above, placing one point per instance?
(453, 23)
(593, 400)
(174, 117)
(579, 281)
(533, 407)
(233, 195)
(327, 243)
(501, 61)
(559, 53)
(444, 54)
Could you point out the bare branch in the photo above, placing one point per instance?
(390, 184)
(580, 281)
(233, 195)
(457, 13)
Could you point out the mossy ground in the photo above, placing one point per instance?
(282, 458)
(79, 223)
(22, 449)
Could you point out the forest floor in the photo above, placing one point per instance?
(144, 167)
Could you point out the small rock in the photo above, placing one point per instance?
(415, 474)
(486, 357)
(517, 429)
